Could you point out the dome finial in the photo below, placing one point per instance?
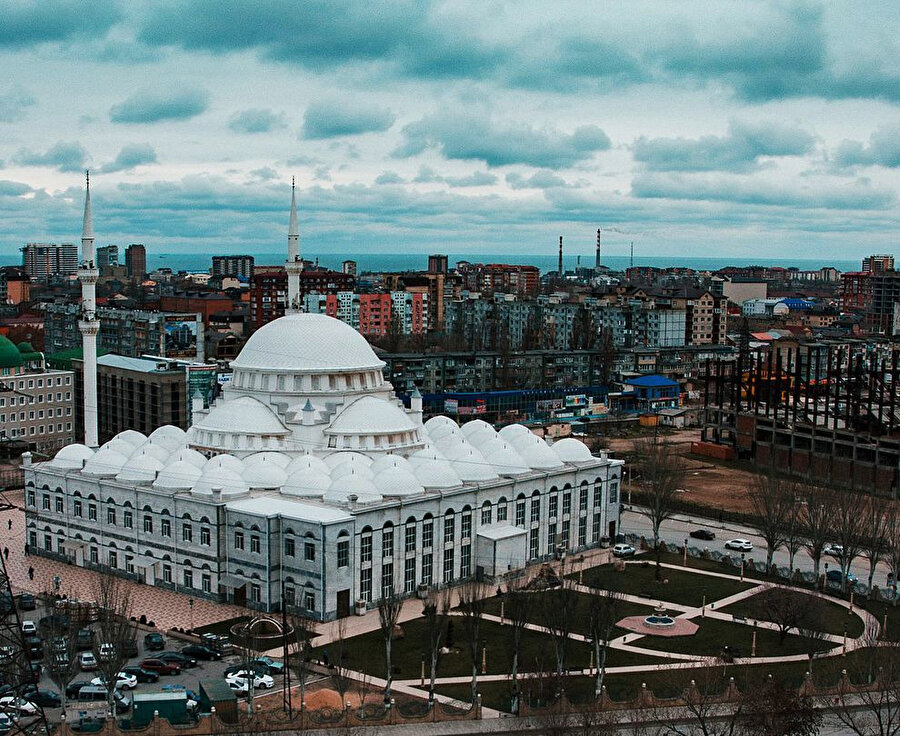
(87, 231)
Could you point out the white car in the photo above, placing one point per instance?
(833, 550)
(87, 661)
(106, 652)
(239, 687)
(623, 550)
(20, 705)
(7, 722)
(742, 545)
(29, 628)
(124, 681)
(259, 681)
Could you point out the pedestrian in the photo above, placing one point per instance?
(6, 553)
(31, 573)
(9, 523)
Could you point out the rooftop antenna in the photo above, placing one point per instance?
(632, 254)
(597, 262)
(560, 268)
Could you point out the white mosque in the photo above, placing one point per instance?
(308, 482)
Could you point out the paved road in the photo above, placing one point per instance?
(676, 530)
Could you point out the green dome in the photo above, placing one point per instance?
(26, 347)
(10, 357)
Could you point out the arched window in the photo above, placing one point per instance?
(501, 509)
(449, 526)
(387, 540)
(486, 513)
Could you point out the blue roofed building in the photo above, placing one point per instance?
(648, 394)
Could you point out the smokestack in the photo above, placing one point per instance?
(559, 269)
(597, 263)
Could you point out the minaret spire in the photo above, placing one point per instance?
(89, 325)
(87, 229)
(294, 264)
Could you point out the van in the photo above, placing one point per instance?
(97, 693)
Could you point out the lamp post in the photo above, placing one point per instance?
(484, 656)
(844, 645)
(825, 580)
(742, 566)
(703, 609)
(191, 606)
(685, 552)
(753, 644)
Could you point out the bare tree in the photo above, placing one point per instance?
(519, 604)
(116, 631)
(789, 610)
(876, 517)
(770, 499)
(389, 608)
(436, 612)
(61, 656)
(604, 611)
(817, 522)
(849, 528)
(472, 604)
(793, 526)
(340, 672)
(772, 709)
(297, 658)
(702, 700)
(558, 609)
(892, 548)
(662, 473)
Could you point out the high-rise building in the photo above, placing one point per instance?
(437, 263)
(107, 255)
(878, 263)
(43, 261)
(241, 266)
(349, 267)
(136, 261)
(15, 287)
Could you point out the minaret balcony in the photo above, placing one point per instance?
(89, 326)
(88, 275)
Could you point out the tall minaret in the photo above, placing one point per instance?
(560, 267)
(293, 265)
(89, 325)
(597, 262)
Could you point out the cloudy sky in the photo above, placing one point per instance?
(742, 129)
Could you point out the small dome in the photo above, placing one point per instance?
(104, 463)
(304, 462)
(345, 469)
(72, 457)
(390, 461)
(10, 357)
(169, 436)
(450, 442)
(243, 415)
(139, 469)
(132, 437)
(229, 462)
(120, 446)
(264, 474)
(489, 445)
(229, 481)
(510, 431)
(192, 457)
(455, 450)
(179, 476)
(278, 458)
(507, 461)
(398, 482)
(570, 450)
(537, 453)
(370, 415)
(439, 421)
(476, 426)
(471, 466)
(363, 488)
(441, 431)
(25, 347)
(434, 470)
(339, 458)
(308, 482)
(157, 451)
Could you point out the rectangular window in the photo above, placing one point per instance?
(188, 578)
(113, 559)
(566, 526)
(187, 533)
(254, 544)
(387, 580)
(520, 512)
(45, 502)
(554, 506)
(165, 528)
(551, 539)
(582, 531)
(309, 551)
(309, 600)
(289, 547)
(535, 509)
(583, 499)
(427, 567)
(206, 583)
(32, 539)
(92, 512)
(465, 561)
(466, 531)
(409, 575)
(614, 491)
(30, 498)
(486, 515)
(205, 538)
(598, 495)
(427, 534)
(595, 532)
(365, 549)
(48, 543)
(501, 510)
(448, 565)
(449, 529)
(387, 542)
(76, 508)
(110, 516)
(148, 524)
(128, 519)
(409, 541)
(567, 503)
(290, 595)
(167, 573)
(343, 553)
(59, 505)
(129, 564)
(239, 540)
(95, 556)
(534, 542)
(255, 593)
(365, 584)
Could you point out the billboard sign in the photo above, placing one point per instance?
(201, 378)
(180, 335)
(451, 406)
(576, 400)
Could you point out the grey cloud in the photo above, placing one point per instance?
(63, 156)
(499, 144)
(302, 160)
(13, 188)
(152, 106)
(332, 118)
(543, 179)
(127, 52)
(14, 103)
(389, 177)
(130, 157)
(883, 150)
(266, 173)
(739, 150)
(427, 175)
(257, 120)
(743, 190)
(29, 22)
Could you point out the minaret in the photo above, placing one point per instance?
(597, 262)
(293, 265)
(559, 270)
(89, 325)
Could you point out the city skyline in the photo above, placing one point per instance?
(750, 132)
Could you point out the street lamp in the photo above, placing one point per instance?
(191, 606)
(825, 581)
(743, 555)
(685, 551)
(484, 656)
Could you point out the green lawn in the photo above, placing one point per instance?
(714, 634)
(683, 586)
(832, 617)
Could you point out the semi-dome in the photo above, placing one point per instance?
(140, 468)
(307, 343)
(398, 482)
(307, 482)
(132, 437)
(264, 474)
(192, 457)
(370, 415)
(229, 481)
(169, 436)
(179, 476)
(104, 463)
(72, 457)
(352, 485)
(243, 415)
(570, 450)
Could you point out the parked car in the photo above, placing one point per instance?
(27, 602)
(742, 545)
(141, 674)
(18, 705)
(182, 660)
(158, 665)
(73, 688)
(834, 576)
(55, 622)
(154, 641)
(258, 668)
(833, 550)
(221, 644)
(32, 674)
(106, 652)
(35, 647)
(43, 698)
(238, 686)
(623, 550)
(7, 722)
(6, 654)
(704, 534)
(199, 651)
(29, 628)
(124, 681)
(273, 666)
(84, 639)
(259, 681)
(87, 661)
